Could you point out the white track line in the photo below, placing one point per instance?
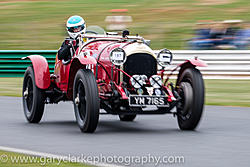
(41, 154)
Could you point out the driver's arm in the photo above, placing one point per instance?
(64, 52)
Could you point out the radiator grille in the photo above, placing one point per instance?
(140, 63)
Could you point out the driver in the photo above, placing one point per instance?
(75, 26)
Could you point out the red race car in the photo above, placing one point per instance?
(117, 73)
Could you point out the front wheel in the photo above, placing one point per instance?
(86, 100)
(33, 97)
(190, 87)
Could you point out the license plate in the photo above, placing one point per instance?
(145, 100)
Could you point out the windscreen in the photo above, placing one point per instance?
(95, 30)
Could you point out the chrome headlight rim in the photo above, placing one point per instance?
(112, 56)
(156, 81)
(160, 58)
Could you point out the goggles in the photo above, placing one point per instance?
(76, 28)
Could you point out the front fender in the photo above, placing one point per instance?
(77, 63)
(85, 60)
(191, 63)
(195, 62)
(41, 70)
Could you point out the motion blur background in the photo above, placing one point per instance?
(40, 24)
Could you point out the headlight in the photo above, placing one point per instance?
(164, 57)
(118, 56)
(137, 81)
(155, 81)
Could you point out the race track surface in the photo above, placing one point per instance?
(222, 138)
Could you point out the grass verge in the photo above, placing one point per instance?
(228, 92)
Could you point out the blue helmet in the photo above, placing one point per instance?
(75, 26)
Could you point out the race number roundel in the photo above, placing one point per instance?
(117, 56)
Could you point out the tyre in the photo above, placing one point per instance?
(33, 97)
(190, 87)
(128, 118)
(86, 100)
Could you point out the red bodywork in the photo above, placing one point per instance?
(86, 59)
(195, 62)
(41, 69)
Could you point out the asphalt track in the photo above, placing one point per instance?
(222, 138)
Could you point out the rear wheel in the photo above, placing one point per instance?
(190, 87)
(33, 97)
(86, 100)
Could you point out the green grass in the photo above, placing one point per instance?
(12, 160)
(218, 92)
(228, 92)
(40, 24)
(11, 86)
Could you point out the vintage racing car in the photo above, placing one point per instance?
(118, 73)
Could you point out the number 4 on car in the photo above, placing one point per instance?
(119, 74)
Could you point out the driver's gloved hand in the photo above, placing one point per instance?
(64, 52)
(68, 57)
